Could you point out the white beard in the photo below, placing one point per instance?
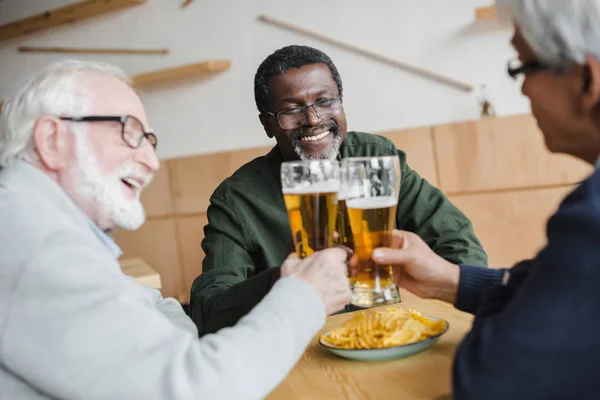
(104, 194)
(330, 155)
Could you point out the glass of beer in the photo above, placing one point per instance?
(344, 232)
(310, 191)
(372, 186)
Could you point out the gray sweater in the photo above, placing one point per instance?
(72, 326)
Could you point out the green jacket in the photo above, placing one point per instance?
(248, 231)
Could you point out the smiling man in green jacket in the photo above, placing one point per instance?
(298, 92)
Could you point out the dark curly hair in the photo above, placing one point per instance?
(280, 62)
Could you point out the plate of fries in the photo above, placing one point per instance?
(384, 334)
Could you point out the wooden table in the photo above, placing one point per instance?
(142, 272)
(322, 375)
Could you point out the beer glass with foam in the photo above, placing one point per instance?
(371, 186)
(310, 191)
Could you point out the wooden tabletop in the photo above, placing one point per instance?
(142, 272)
(427, 375)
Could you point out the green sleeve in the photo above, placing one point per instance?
(425, 210)
(228, 287)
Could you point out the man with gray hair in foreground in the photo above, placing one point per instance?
(75, 153)
(536, 328)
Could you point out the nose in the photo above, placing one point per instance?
(146, 155)
(525, 86)
(312, 119)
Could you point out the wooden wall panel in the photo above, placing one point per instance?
(418, 145)
(496, 170)
(511, 225)
(193, 179)
(156, 243)
(156, 198)
(190, 233)
(500, 153)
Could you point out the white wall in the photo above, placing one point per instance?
(218, 113)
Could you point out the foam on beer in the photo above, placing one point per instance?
(329, 186)
(368, 203)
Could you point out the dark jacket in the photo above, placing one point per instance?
(535, 334)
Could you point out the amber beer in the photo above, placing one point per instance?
(312, 213)
(342, 224)
(372, 220)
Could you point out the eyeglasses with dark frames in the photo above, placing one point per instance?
(515, 68)
(294, 117)
(132, 129)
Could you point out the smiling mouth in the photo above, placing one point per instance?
(315, 137)
(132, 183)
(134, 186)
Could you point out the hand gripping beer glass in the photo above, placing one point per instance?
(310, 191)
(372, 186)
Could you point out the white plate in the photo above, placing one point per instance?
(388, 353)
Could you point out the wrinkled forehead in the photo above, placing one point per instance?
(308, 80)
(111, 96)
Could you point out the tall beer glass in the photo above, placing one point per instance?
(372, 186)
(344, 232)
(310, 191)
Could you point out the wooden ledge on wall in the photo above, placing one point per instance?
(91, 50)
(183, 71)
(486, 13)
(58, 16)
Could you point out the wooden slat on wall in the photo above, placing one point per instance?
(511, 225)
(193, 179)
(156, 198)
(156, 243)
(488, 13)
(69, 13)
(417, 143)
(500, 153)
(179, 72)
(190, 233)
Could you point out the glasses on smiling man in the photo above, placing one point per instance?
(132, 129)
(294, 117)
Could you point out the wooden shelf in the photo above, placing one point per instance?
(58, 16)
(486, 13)
(184, 71)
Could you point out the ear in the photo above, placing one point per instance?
(50, 141)
(264, 120)
(591, 94)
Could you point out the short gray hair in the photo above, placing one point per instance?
(559, 32)
(55, 90)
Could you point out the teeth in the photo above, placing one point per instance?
(313, 138)
(133, 183)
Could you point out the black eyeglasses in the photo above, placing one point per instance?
(294, 117)
(132, 130)
(514, 68)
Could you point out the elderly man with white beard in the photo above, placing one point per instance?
(75, 153)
